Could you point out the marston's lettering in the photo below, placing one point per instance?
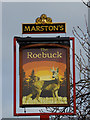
(44, 28)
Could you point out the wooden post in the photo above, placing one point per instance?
(44, 117)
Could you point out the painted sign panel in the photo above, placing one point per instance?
(44, 75)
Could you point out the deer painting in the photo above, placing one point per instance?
(51, 85)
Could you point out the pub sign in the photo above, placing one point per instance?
(44, 72)
(44, 68)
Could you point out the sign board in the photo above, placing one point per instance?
(44, 70)
(43, 25)
(44, 75)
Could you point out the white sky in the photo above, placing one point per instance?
(0, 59)
(1, 24)
(43, 0)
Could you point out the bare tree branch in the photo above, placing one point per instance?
(85, 3)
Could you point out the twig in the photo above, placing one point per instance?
(85, 3)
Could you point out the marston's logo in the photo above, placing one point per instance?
(42, 25)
